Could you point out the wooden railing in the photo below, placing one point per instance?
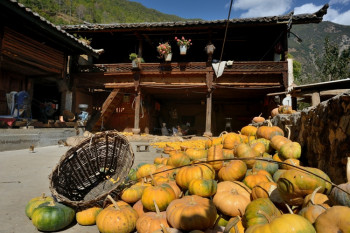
(176, 67)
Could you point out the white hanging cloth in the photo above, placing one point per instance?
(219, 68)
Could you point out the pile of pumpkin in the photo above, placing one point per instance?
(248, 182)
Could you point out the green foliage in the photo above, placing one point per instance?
(332, 64)
(96, 11)
(297, 68)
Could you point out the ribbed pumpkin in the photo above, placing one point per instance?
(263, 190)
(196, 171)
(161, 180)
(213, 141)
(151, 221)
(215, 153)
(35, 202)
(232, 198)
(292, 162)
(165, 171)
(191, 213)
(126, 216)
(203, 188)
(88, 216)
(259, 211)
(132, 194)
(145, 170)
(286, 223)
(259, 147)
(274, 112)
(278, 141)
(161, 160)
(231, 140)
(269, 131)
(228, 154)
(294, 184)
(233, 170)
(338, 197)
(285, 109)
(257, 177)
(245, 151)
(290, 150)
(52, 216)
(316, 198)
(249, 130)
(334, 220)
(269, 165)
(163, 194)
(312, 212)
(266, 142)
(196, 154)
(258, 119)
(178, 159)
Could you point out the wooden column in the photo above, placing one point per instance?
(136, 129)
(209, 81)
(315, 99)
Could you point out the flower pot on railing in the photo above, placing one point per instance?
(183, 49)
(168, 56)
(134, 63)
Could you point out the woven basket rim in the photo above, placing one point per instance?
(70, 152)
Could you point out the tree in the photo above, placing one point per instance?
(332, 64)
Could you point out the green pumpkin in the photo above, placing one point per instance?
(290, 150)
(339, 197)
(270, 167)
(277, 174)
(52, 216)
(257, 210)
(287, 223)
(34, 203)
(132, 174)
(295, 184)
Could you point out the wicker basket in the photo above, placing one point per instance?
(90, 171)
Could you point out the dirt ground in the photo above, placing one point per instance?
(24, 175)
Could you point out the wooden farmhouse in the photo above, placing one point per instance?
(35, 57)
(225, 78)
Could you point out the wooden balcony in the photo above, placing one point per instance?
(186, 67)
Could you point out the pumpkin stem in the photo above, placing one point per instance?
(234, 191)
(269, 123)
(289, 209)
(154, 181)
(268, 218)
(43, 195)
(52, 203)
(312, 199)
(113, 202)
(269, 178)
(233, 223)
(157, 208)
(289, 131)
(164, 228)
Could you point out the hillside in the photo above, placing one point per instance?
(313, 36)
(97, 11)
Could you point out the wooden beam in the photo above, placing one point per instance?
(136, 129)
(315, 99)
(208, 115)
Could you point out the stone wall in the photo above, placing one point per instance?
(324, 134)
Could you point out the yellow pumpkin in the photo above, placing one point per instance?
(333, 220)
(145, 170)
(235, 225)
(88, 216)
(231, 140)
(196, 153)
(249, 130)
(203, 188)
(132, 194)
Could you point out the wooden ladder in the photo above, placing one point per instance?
(108, 108)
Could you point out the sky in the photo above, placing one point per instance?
(338, 11)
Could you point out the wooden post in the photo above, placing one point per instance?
(136, 129)
(208, 115)
(315, 99)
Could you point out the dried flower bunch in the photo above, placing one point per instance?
(164, 48)
(183, 41)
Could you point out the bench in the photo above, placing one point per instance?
(142, 148)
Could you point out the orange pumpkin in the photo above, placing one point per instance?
(228, 154)
(163, 194)
(178, 159)
(274, 112)
(231, 140)
(191, 213)
(333, 220)
(233, 170)
(256, 178)
(126, 216)
(165, 171)
(290, 150)
(139, 208)
(245, 151)
(196, 171)
(88, 216)
(215, 153)
(213, 141)
(258, 119)
(150, 221)
(232, 198)
(249, 130)
(278, 141)
(161, 160)
(268, 132)
(263, 190)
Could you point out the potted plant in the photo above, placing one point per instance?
(184, 44)
(164, 50)
(135, 60)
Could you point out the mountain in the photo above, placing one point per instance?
(313, 38)
(97, 11)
